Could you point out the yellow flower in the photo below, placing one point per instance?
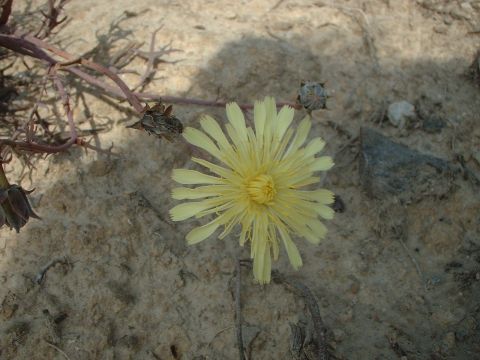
(257, 184)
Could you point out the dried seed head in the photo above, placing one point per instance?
(159, 121)
(312, 95)
(15, 209)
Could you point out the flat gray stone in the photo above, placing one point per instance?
(390, 169)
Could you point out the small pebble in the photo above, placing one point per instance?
(440, 29)
(399, 113)
(447, 20)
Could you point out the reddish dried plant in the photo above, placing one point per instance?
(33, 135)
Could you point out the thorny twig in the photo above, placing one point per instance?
(152, 56)
(50, 20)
(34, 47)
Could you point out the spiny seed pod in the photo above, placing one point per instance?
(312, 95)
(159, 121)
(15, 210)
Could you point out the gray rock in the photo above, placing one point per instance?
(389, 169)
(399, 113)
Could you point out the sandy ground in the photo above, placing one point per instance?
(394, 281)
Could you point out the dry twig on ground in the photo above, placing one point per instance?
(307, 295)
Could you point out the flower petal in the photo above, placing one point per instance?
(271, 110)
(304, 180)
(323, 196)
(191, 177)
(236, 118)
(202, 232)
(223, 172)
(211, 127)
(259, 117)
(314, 146)
(300, 136)
(201, 140)
(318, 229)
(284, 119)
(182, 193)
(187, 210)
(323, 163)
(325, 211)
(260, 261)
(267, 267)
(292, 250)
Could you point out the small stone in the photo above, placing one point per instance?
(388, 168)
(440, 29)
(447, 20)
(399, 113)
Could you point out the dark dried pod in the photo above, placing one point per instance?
(15, 209)
(159, 121)
(312, 95)
(474, 69)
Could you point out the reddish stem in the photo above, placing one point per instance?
(6, 11)
(90, 64)
(41, 148)
(124, 92)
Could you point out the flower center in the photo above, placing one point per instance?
(261, 189)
